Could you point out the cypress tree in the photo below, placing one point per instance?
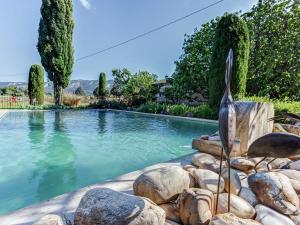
(231, 32)
(102, 85)
(36, 84)
(55, 43)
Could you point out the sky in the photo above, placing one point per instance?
(102, 23)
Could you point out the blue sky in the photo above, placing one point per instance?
(102, 23)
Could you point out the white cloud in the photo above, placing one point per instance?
(86, 3)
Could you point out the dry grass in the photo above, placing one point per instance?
(71, 100)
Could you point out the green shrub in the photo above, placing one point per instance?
(36, 84)
(102, 85)
(231, 32)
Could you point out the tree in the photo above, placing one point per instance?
(36, 84)
(139, 87)
(80, 91)
(192, 68)
(121, 78)
(55, 43)
(96, 92)
(102, 85)
(274, 52)
(231, 32)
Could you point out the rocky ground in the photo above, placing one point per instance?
(175, 195)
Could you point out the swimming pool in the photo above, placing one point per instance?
(47, 153)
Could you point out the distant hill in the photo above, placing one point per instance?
(87, 85)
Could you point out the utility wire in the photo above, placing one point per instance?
(148, 32)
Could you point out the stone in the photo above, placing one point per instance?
(171, 211)
(231, 219)
(295, 218)
(163, 184)
(278, 163)
(294, 176)
(215, 147)
(195, 206)
(248, 195)
(52, 219)
(274, 190)
(242, 164)
(238, 206)
(207, 179)
(189, 168)
(252, 122)
(200, 159)
(268, 216)
(109, 207)
(294, 165)
(170, 222)
(291, 128)
(235, 184)
(278, 128)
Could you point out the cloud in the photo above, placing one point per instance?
(86, 3)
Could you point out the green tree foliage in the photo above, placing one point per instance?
(55, 43)
(121, 78)
(274, 66)
(139, 87)
(79, 91)
(192, 68)
(102, 85)
(36, 85)
(231, 32)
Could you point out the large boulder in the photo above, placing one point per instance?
(231, 219)
(170, 222)
(238, 206)
(207, 179)
(162, 185)
(172, 212)
(292, 129)
(248, 195)
(105, 206)
(268, 216)
(294, 165)
(278, 163)
(206, 161)
(242, 164)
(52, 219)
(274, 190)
(195, 206)
(296, 218)
(235, 182)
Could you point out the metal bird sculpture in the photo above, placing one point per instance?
(227, 123)
(275, 145)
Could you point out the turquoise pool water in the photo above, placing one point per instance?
(45, 154)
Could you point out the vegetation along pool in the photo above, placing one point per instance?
(48, 153)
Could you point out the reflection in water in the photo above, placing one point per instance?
(102, 122)
(56, 171)
(36, 122)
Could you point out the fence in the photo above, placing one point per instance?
(13, 102)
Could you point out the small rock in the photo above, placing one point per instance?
(262, 166)
(278, 163)
(235, 184)
(242, 164)
(238, 206)
(294, 165)
(105, 206)
(202, 159)
(207, 179)
(274, 190)
(278, 128)
(162, 185)
(231, 219)
(195, 206)
(52, 219)
(294, 176)
(292, 129)
(171, 211)
(295, 218)
(170, 222)
(268, 216)
(248, 195)
(189, 168)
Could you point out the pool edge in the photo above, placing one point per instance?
(67, 203)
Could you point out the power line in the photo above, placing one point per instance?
(149, 32)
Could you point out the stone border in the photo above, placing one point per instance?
(3, 113)
(66, 204)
